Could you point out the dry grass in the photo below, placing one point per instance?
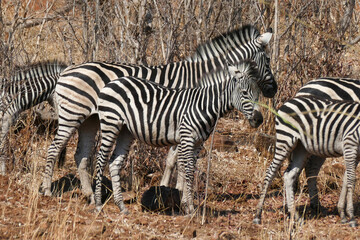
(235, 184)
(309, 47)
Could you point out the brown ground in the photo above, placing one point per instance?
(235, 177)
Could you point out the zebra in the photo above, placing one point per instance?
(78, 88)
(330, 88)
(308, 125)
(130, 108)
(22, 91)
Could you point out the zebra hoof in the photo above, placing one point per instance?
(91, 200)
(344, 221)
(98, 208)
(353, 223)
(125, 212)
(257, 221)
(45, 192)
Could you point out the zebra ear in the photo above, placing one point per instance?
(264, 38)
(234, 72)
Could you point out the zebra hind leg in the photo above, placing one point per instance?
(312, 169)
(170, 165)
(85, 147)
(6, 122)
(297, 163)
(121, 150)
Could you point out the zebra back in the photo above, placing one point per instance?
(332, 88)
(321, 124)
(245, 42)
(30, 86)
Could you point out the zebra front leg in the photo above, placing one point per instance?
(170, 165)
(85, 147)
(57, 145)
(349, 197)
(351, 161)
(186, 158)
(282, 151)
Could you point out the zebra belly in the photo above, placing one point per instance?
(155, 133)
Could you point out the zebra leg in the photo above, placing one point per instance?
(312, 169)
(299, 157)
(109, 134)
(347, 192)
(342, 198)
(121, 150)
(6, 122)
(350, 173)
(170, 165)
(85, 147)
(62, 137)
(282, 151)
(186, 158)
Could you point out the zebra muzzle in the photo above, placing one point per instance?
(256, 120)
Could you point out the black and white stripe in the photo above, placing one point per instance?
(130, 108)
(24, 90)
(329, 88)
(78, 88)
(305, 126)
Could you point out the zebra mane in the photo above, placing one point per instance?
(26, 73)
(23, 72)
(245, 68)
(224, 42)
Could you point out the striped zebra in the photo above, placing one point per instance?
(130, 108)
(22, 91)
(330, 88)
(78, 88)
(307, 125)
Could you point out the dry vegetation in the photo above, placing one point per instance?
(311, 39)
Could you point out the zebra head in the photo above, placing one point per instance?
(267, 81)
(246, 92)
(253, 47)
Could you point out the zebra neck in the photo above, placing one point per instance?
(222, 97)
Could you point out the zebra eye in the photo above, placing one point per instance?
(244, 93)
